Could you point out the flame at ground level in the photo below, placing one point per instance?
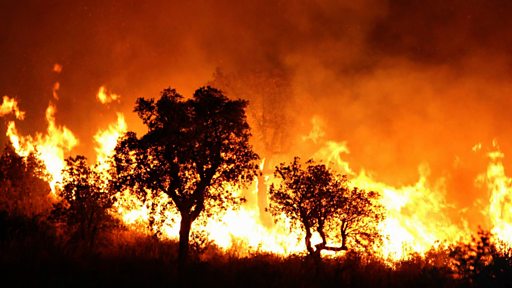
(416, 213)
(49, 147)
(416, 217)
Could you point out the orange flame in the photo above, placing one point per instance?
(57, 68)
(107, 140)
(500, 202)
(50, 147)
(106, 97)
(9, 105)
(416, 214)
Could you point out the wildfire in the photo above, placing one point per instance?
(415, 214)
(106, 141)
(50, 147)
(9, 105)
(416, 217)
(500, 188)
(242, 228)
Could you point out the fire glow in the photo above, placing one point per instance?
(416, 218)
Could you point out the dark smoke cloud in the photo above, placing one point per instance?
(440, 32)
(404, 82)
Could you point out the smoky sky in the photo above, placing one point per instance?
(403, 82)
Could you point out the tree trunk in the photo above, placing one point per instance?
(185, 225)
(309, 247)
(314, 254)
(343, 240)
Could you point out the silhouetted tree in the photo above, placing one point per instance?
(85, 200)
(318, 200)
(22, 188)
(194, 148)
(358, 216)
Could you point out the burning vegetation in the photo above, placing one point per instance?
(193, 177)
(329, 143)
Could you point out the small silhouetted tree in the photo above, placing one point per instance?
(316, 199)
(482, 262)
(22, 188)
(194, 148)
(85, 200)
(358, 216)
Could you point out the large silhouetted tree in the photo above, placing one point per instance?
(192, 149)
(84, 202)
(317, 199)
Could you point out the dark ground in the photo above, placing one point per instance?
(31, 255)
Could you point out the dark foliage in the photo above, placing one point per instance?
(31, 256)
(148, 263)
(315, 198)
(192, 150)
(84, 202)
(481, 262)
(22, 188)
(133, 171)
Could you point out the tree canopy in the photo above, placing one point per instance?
(23, 190)
(316, 199)
(84, 202)
(192, 150)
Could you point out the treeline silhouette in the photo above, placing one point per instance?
(192, 149)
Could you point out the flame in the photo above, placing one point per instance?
(500, 202)
(416, 213)
(235, 228)
(55, 89)
(316, 132)
(128, 207)
(137, 214)
(10, 105)
(57, 68)
(106, 141)
(50, 147)
(106, 97)
(242, 229)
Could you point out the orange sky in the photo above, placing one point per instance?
(403, 82)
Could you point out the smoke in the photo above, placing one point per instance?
(403, 82)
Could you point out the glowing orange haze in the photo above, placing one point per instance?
(417, 216)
